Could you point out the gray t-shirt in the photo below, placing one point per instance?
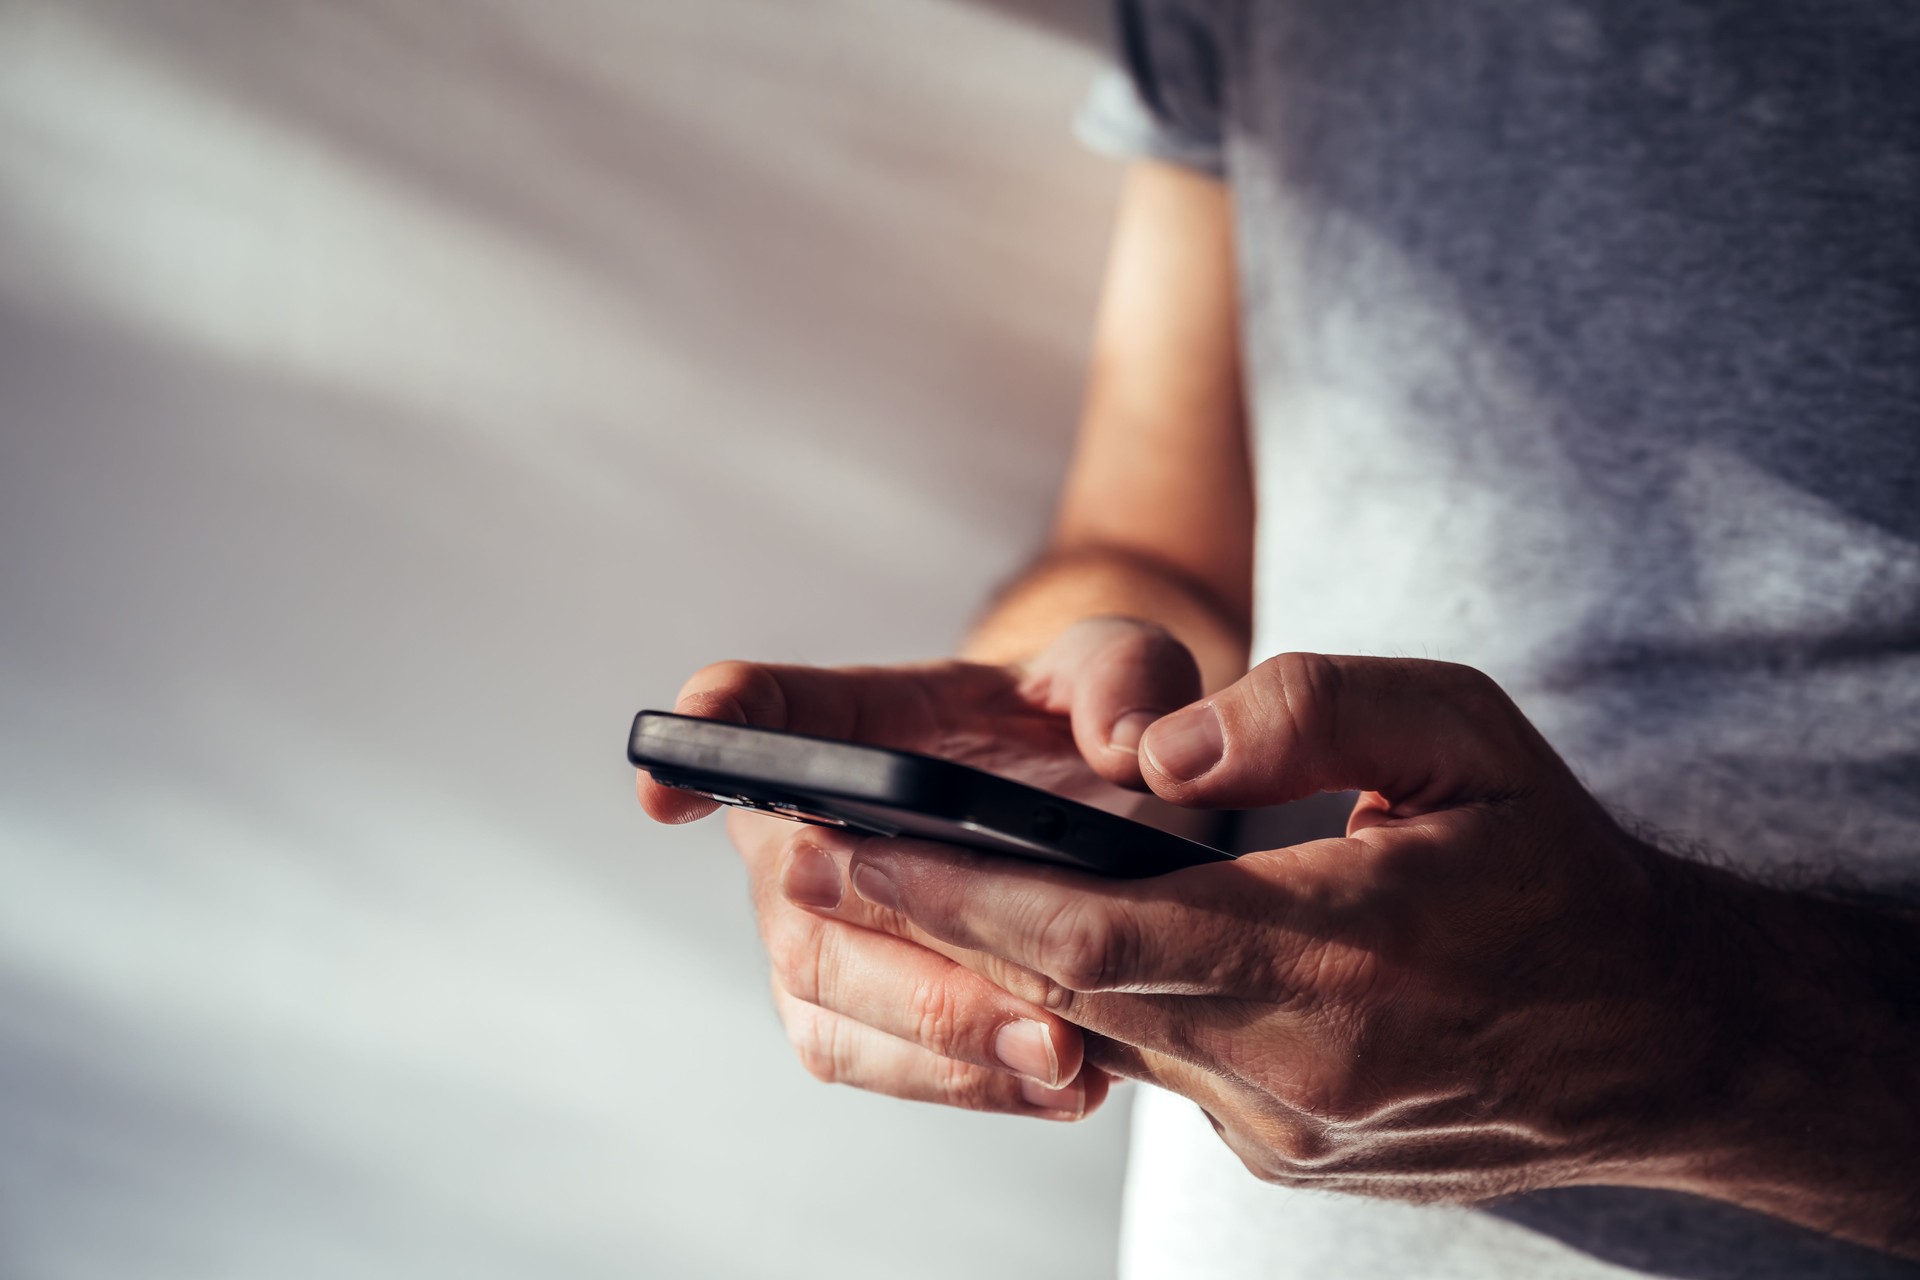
(1583, 346)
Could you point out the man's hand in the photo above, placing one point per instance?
(864, 1001)
(1485, 987)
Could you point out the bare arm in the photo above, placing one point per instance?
(1156, 517)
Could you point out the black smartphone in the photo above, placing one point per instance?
(879, 791)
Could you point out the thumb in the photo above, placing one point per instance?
(1421, 734)
(1112, 677)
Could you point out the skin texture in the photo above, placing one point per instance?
(1485, 987)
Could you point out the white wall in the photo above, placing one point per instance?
(393, 398)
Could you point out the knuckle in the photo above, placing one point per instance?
(1304, 689)
(1058, 999)
(1472, 685)
(1082, 946)
(937, 1016)
(1493, 717)
(1483, 703)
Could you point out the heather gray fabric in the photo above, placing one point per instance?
(1584, 347)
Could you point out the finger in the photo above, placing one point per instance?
(807, 871)
(870, 963)
(792, 865)
(1195, 1026)
(915, 995)
(1112, 677)
(836, 1049)
(890, 706)
(785, 862)
(676, 804)
(799, 870)
(1422, 734)
(903, 706)
(1214, 930)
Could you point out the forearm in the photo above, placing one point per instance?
(1819, 1118)
(1064, 586)
(1156, 513)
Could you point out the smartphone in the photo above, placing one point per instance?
(879, 791)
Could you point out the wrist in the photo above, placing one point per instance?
(1801, 1102)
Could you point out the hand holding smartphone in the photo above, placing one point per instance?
(886, 792)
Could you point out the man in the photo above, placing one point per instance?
(1576, 344)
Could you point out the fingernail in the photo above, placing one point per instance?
(1127, 730)
(1025, 1047)
(1187, 743)
(812, 880)
(1071, 1100)
(873, 885)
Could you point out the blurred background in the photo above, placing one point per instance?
(395, 396)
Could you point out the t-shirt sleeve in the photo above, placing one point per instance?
(1163, 100)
